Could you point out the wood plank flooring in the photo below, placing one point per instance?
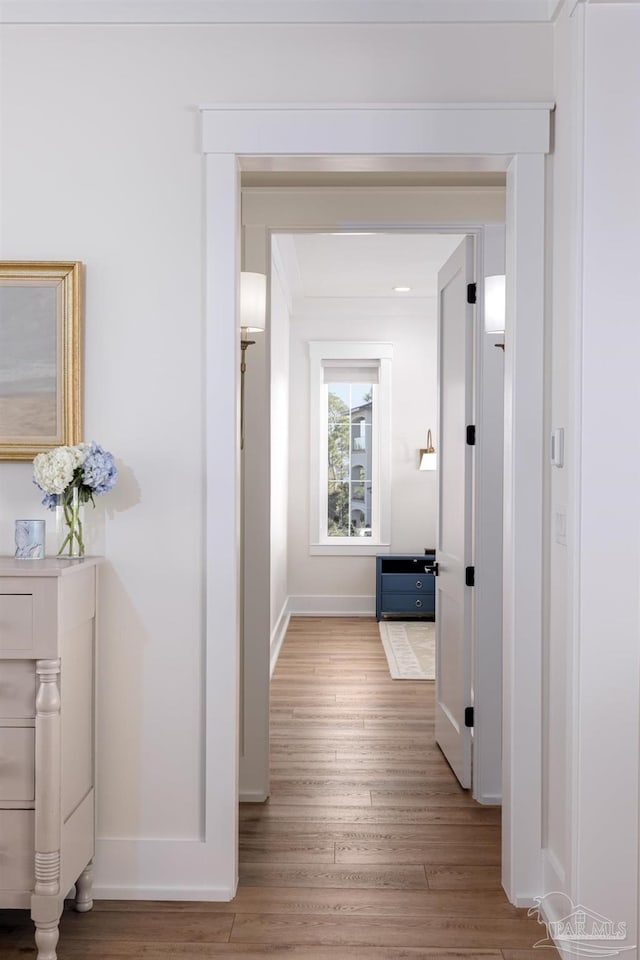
(367, 849)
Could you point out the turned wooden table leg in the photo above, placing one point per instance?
(44, 902)
(46, 940)
(84, 889)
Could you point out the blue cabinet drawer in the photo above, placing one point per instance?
(408, 583)
(405, 585)
(402, 603)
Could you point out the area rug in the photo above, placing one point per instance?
(410, 648)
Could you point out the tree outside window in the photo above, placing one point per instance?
(349, 425)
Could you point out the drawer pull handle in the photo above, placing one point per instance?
(418, 584)
(418, 603)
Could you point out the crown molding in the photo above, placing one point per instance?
(277, 11)
(572, 5)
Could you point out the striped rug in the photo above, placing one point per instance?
(410, 648)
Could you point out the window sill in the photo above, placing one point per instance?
(348, 549)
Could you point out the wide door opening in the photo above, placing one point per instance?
(308, 476)
(387, 139)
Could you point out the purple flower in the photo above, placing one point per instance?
(99, 471)
(51, 500)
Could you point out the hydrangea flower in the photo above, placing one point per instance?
(85, 466)
(99, 471)
(53, 471)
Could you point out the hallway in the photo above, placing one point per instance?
(368, 849)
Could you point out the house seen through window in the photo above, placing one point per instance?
(350, 412)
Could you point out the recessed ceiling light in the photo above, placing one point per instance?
(402, 289)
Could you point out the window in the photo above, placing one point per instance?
(350, 447)
(349, 466)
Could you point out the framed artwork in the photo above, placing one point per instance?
(40, 357)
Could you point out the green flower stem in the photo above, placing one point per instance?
(72, 519)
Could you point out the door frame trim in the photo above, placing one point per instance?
(514, 137)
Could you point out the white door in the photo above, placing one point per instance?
(454, 541)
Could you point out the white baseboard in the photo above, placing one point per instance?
(554, 881)
(167, 869)
(489, 799)
(253, 796)
(278, 635)
(554, 908)
(524, 902)
(330, 606)
(206, 894)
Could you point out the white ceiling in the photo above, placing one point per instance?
(368, 267)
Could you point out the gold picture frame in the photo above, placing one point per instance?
(41, 326)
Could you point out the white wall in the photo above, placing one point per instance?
(609, 704)
(413, 405)
(101, 162)
(279, 351)
(592, 662)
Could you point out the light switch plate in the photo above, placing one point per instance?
(557, 447)
(561, 527)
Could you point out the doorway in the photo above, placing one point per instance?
(494, 137)
(340, 286)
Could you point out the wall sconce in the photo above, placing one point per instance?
(253, 308)
(427, 459)
(495, 305)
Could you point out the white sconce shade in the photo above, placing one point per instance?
(253, 302)
(427, 459)
(495, 303)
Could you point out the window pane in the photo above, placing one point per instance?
(360, 394)
(338, 510)
(357, 486)
(360, 509)
(349, 432)
(339, 402)
(338, 451)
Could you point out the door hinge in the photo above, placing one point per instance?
(471, 436)
(472, 293)
(470, 576)
(468, 716)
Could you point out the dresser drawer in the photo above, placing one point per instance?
(407, 583)
(405, 603)
(17, 689)
(17, 764)
(16, 622)
(17, 850)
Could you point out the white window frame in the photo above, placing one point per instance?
(322, 352)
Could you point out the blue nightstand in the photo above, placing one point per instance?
(405, 585)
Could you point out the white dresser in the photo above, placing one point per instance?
(47, 659)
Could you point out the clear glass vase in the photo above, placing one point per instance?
(70, 524)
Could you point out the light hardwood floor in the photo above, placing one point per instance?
(367, 850)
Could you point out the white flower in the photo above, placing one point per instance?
(80, 452)
(53, 471)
